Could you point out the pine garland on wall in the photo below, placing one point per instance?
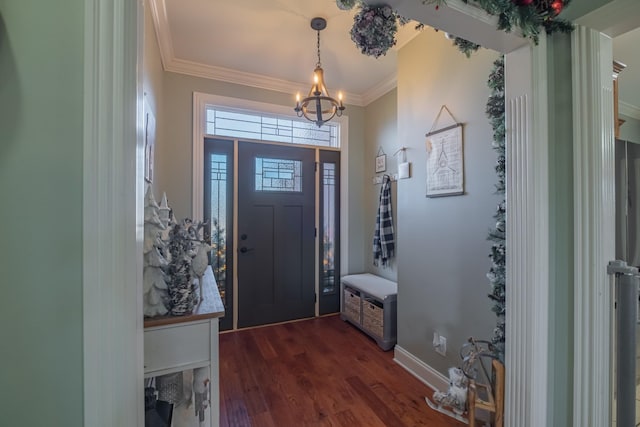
(497, 273)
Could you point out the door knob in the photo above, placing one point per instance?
(244, 250)
(243, 237)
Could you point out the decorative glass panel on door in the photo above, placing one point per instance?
(278, 175)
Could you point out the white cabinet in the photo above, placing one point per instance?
(188, 345)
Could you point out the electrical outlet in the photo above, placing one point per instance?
(441, 348)
(440, 344)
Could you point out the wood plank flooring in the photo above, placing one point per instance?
(317, 372)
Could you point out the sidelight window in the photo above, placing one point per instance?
(329, 236)
(218, 214)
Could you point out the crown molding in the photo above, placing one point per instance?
(228, 75)
(380, 89)
(629, 110)
(161, 25)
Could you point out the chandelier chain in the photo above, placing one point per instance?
(318, 64)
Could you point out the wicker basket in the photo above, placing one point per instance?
(373, 318)
(352, 304)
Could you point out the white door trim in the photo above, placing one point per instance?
(594, 226)
(112, 214)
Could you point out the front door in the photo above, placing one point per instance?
(276, 233)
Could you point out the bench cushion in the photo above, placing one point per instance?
(375, 286)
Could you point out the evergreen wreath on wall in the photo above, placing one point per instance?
(497, 273)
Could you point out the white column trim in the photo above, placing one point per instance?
(112, 214)
(539, 316)
(594, 227)
(527, 196)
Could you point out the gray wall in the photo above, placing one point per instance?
(381, 132)
(174, 150)
(630, 130)
(41, 128)
(627, 167)
(442, 242)
(153, 73)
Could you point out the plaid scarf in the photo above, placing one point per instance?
(383, 236)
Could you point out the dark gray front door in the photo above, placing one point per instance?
(276, 233)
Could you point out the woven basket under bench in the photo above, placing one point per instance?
(369, 302)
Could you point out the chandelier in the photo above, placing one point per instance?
(318, 106)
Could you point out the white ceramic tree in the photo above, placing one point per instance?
(155, 290)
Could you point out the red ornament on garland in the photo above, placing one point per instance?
(549, 8)
(557, 6)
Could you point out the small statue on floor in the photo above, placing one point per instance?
(456, 395)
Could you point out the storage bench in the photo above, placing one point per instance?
(369, 302)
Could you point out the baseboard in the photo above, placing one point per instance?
(416, 367)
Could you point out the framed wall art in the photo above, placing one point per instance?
(445, 162)
(149, 140)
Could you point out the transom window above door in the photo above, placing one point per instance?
(269, 127)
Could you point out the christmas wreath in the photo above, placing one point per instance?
(374, 29)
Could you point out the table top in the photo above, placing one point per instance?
(210, 307)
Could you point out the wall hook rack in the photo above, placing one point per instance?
(378, 179)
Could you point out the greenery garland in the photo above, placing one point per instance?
(530, 16)
(465, 46)
(375, 26)
(495, 110)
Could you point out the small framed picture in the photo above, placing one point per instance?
(381, 163)
(149, 141)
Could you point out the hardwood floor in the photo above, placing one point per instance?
(317, 372)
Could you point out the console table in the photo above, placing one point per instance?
(182, 343)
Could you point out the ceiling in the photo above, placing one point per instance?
(270, 44)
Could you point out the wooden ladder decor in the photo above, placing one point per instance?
(493, 393)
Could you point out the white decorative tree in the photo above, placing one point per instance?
(156, 296)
